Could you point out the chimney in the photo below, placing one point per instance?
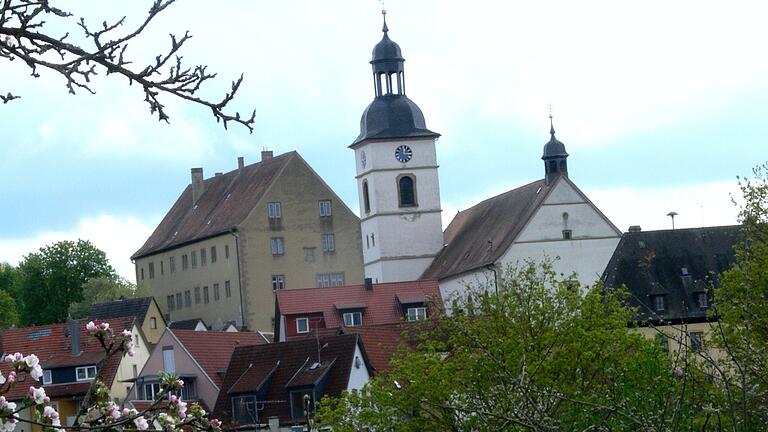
(75, 339)
(266, 154)
(240, 163)
(198, 186)
(368, 284)
(635, 228)
(218, 174)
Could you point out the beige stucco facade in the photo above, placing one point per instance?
(130, 366)
(244, 258)
(154, 323)
(679, 336)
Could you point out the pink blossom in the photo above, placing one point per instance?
(104, 326)
(11, 376)
(91, 327)
(126, 334)
(36, 372)
(31, 361)
(37, 394)
(18, 357)
(50, 412)
(216, 423)
(141, 423)
(180, 383)
(8, 358)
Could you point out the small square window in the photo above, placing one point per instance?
(278, 246)
(325, 208)
(153, 320)
(416, 314)
(302, 325)
(567, 234)
(353, 319)
(274, 210)
(278, 282)
(47, 377)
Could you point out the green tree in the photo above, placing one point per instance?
(542, 354)
(99, 290)
(741, 303)
(9, 282)
(9, 314)
(53, 278)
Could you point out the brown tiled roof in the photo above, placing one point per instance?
(380, 304)
(480, 235)
(291, 356)
(135, 307)
(226, 202)
(51, 344)
(212, 349)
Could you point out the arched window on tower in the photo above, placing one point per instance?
(366, 200)
(406, 188)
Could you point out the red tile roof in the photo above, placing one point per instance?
(227, 200)
(293, 357)
(212, 349)
(481, 234)
(51, 344)
(381, 305)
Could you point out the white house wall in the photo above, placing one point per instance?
(588, 251)
(358, 376)
(454, 288)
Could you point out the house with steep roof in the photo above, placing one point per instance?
(230, 241)
(669, 275)
(69, 357)
(302, 311)
(200, 358)
(397, 175)
(146, 310)
(268, 385)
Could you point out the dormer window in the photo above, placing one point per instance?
(85, 373)
(298, 402)
(702, 300)
(244, 410)
(47, 376)
(658, 303)
(353, 319)
(302, 325)
(416, 314)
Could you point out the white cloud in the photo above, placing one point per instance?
(119, 237)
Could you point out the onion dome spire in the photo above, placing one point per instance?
(555, 157)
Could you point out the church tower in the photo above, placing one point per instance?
(554, 157)
(396, 176)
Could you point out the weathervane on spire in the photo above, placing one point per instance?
(551, 125)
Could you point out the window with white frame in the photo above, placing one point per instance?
(278, 282)
(85, 373)
(702, 300)
(324, 280)
(353, 319)
(274, 210)
(302, 325)
(47, 376)
(278, 246)
(658, 302)
(151, 390)
(325, 208)
(328, 242)
(416, 313)
(169, 362)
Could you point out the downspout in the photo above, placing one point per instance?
(233, 231)
(492, 267)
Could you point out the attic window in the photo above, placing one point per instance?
(702, 300)
(298, 400)
(567, 234)
(85, 373)
(658, 302)
(684, 271)
(302, 325)
(353, 319)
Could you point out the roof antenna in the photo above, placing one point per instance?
(672, 215)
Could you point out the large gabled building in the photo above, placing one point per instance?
(233, 239)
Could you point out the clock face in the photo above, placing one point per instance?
(403, 153)
(363, 159)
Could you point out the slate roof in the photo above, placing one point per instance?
(136, 307)
(381, 342)
(212, 349)
(481, 234)
(225, 203)
(251, 366)
(189, 324)
(652, 263)
(379, 306)
(51, 343)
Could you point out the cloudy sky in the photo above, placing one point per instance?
(660, 104)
